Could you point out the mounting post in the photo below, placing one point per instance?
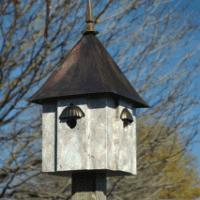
(89, 186)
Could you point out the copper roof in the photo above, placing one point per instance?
(88, 69)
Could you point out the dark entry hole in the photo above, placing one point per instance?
(71, 123)
(126, 123)
(70, 115)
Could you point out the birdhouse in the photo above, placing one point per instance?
(88, 119)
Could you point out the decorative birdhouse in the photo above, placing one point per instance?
(88, 119)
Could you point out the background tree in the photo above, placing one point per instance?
(156, 44)
(165, 171)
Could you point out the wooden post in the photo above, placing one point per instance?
(89, 186)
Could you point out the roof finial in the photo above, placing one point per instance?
(89, 18)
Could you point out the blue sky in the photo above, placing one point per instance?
(195, 8)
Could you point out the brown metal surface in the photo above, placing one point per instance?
(88, 69)
(71, 112)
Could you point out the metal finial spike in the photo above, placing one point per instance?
(89, 18)
(89, 14)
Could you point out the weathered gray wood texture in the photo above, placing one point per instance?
(89, 186)
(48, 137)
(98, 142)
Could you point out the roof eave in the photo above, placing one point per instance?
(137, 104)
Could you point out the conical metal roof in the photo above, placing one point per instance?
(88, 69)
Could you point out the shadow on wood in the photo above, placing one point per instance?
(89, 186)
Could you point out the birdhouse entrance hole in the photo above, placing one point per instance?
(126, 117)
(70, 115)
